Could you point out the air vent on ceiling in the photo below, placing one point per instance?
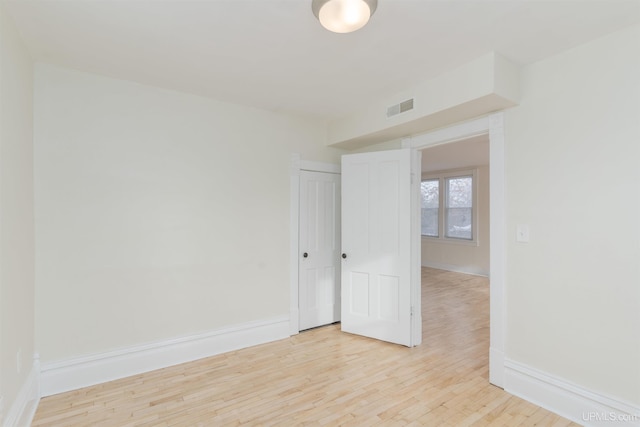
(403, 107)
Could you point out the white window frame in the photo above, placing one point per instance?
(441, 176)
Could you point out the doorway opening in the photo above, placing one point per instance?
(493, 127)
(455, 248)
(455, 207)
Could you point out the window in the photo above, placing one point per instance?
(430, 190)
(459, 208)
(455, 193)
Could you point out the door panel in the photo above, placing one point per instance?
(319, 272)
(378, 286)
(359, 294)
(389, 294)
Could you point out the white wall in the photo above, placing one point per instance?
(16, 222)
(572, 175)
(145, 229)
(159, 214)
(485, 84)
(462, 257)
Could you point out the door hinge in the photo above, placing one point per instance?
(411, 311)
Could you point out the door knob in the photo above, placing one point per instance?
(344, 256)
(304, 255)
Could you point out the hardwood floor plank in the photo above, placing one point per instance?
(323, 377)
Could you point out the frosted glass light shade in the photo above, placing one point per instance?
(343, 16)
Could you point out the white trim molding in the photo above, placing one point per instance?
(497, 249)
(568, 400)
(294, 235)
(24, 407)
(416, 249)
(457, 268)
(469, 129)
(66, 375)
(493, 125)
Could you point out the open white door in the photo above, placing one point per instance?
(380, 245)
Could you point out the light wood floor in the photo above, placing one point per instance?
(325, 377)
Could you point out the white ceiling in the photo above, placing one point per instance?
(466, 153)
(273, 54)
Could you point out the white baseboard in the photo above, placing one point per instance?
(456, 268)
(24, 407)
(66, 375)
(294, 324)
(496, 367)
(568, 400)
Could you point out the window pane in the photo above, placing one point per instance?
(430, 206)
(459, 207)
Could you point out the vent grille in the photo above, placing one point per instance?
(400, 108)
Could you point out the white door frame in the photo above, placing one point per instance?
(298, 165)
(493, 125)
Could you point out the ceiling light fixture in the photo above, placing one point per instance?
(343, 16)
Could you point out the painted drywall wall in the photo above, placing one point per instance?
(572, 150)
(488, 83)
(158, 214)
(462, 257)
(16, 219)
